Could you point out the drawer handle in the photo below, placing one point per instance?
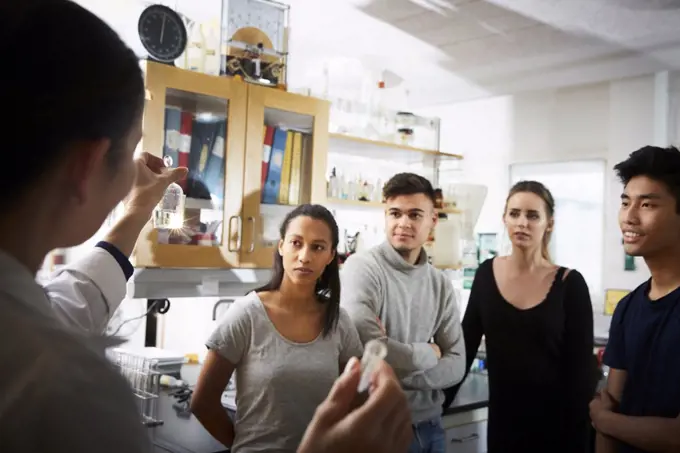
(462, 440)
(239, 226)
(251, 249)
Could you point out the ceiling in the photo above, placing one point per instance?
(454, 50)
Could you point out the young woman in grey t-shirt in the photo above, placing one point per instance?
(287, 342)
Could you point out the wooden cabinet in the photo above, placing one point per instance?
(307, 117)
(215, 126)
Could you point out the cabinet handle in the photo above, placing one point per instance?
(239, 226)
(462, 440)
(251, 219)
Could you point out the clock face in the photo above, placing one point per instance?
(162, 33)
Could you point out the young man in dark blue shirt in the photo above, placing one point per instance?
(639, 411)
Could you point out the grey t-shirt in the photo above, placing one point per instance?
(279, 383)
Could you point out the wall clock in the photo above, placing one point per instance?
(163, 33)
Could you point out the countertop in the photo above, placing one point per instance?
(473, 394)
(184, 434)
(181, 433)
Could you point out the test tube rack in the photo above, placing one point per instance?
(144, 379)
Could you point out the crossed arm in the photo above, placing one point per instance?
(450, 369)
(653, 434)
(416, 364)
(361, 298)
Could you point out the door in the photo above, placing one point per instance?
(285, 165)
(197, 121)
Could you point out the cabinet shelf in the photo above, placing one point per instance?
(200, 203)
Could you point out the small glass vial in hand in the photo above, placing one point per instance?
(374, 351)
(169, 213)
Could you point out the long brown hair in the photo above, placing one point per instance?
(542, 191)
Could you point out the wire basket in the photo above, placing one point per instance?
(142, 375)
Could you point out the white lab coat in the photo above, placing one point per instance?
(85, 294)
(58, 392)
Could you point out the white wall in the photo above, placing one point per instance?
(600, 121)
(631, 126)
(184, 329)
(568, 124)
(483, 132)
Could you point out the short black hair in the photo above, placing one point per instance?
(408, 184)
(659, 164)
(67, 77)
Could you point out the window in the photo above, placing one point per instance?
(578, 238)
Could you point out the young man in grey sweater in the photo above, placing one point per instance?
(392, 292)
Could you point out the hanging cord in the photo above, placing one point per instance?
(160, 305)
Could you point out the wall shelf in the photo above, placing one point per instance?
(441, 268)
(453, 211)
(448, 268)
(369, 148)
(354, 203)
(375, 204)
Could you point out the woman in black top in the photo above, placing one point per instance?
(537, 321)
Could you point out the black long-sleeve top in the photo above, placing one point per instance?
(539, 361)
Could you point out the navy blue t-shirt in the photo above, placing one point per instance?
(644, 340)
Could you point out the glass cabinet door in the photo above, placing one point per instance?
(194, 137)
(196, 121)
(283, 168)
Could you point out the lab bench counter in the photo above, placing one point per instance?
(465, 421)
(180, 433)
(184, 434)
(473, 394)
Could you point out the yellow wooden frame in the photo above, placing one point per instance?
(160, 78)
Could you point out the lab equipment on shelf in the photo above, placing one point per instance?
(373, 121)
